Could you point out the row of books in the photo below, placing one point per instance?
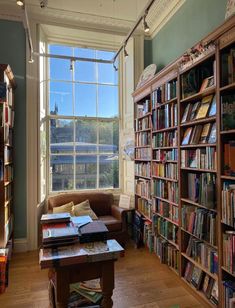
(142, 139)
(165, 155)
(143, 188)
(7, 154)
(145, 207)
(228, 203)
(164, 93)
(199, 134)
(141, 124)
(201, 281)
(8, 173)
(145, 153)
(229, 251)
(169, 170)
(165, 228)
(201, 158)
(199, 222)
(229, 293)
(167, 253)
(227, 112)
(165, 117)
(148, 237)
(201, 109)
(165, 139)
(8, 210)
(228, 67)
(166, 209)
(202, 189)
(203, 254)
(6, 115)
(8, 191)
(142, 109)
(229, 158)
(166, 190)
(143, 169)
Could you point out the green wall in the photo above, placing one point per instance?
(13, 52)
(193, 21)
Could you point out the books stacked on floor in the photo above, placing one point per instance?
(228, 203)
(85, 294)
(202, 282)
(229, 293)
(4, 266)
(229, 251)
(58, 230)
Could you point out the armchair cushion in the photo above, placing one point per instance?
(83, 209)
(65, 208)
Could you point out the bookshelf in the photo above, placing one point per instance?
(188, 167)
(7, 86)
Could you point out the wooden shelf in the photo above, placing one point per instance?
(143, 116)
(197, 204)
(170, 241)
(143, 197)
(228, 177)
(163, 178)
(214, 276)
(173, 100)
(165, 161)
(225, 132)
(198, 169)
(227, 271)
(165, 200)
(145, 216)
(199, 95)
(164, 129)
(143, 146)
(165, 148)
(142, 159)
(201, 145)
(168, 219)
(199, 121)
(228, 87)
(143, 130)
(199, 293)
(204, 241)
(141, 176)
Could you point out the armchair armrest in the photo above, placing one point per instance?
(119, 214)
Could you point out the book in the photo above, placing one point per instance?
(196, 134)
(212, 137)
(204, 107)
(206, 83)
(187, 135)
(214, 293)
(205, 133)
(212, 111)
(55, 218)
(57, 234)
(205, 283)
(197, 276)
(79, 221)
(194, 110)
(186, 113)
(94, 231)
(228, 111)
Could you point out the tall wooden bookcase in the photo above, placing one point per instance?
(7, 86)
(185, 166)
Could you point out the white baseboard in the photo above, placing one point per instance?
(20, 245)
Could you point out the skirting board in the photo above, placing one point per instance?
(20, 245)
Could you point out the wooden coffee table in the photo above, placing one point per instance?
(81, 262)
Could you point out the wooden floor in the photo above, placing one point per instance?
(140, 282)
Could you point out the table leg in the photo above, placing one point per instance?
(62, 288)
(107, 284)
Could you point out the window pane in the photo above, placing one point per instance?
(61, 172)
(86, 136)
(61, 98)
(86, 171)
(84, 53)
(85, 71)
(61, 50)
(61, 136)
(109, 171)
(108, 137)
(85, 100)
(107, 101)
(60, 69)
(107, 73)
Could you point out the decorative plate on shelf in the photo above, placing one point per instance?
(146, 75)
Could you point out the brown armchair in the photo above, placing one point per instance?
(102, 204)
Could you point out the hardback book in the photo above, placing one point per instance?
(196, 134)
(92, 232)
(197, 276)
(212, 111)
(186, 114)
(228, 111)
(59, 234)
(194, 110)
(55, 218)
(212, 137)
(205, 133)
(205, 283)
(229, 158)
(204, 107)
(206, 83)
(214, 293)
(187, 135)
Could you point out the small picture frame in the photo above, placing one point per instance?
(125, 201)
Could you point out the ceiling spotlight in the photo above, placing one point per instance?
(20, 2)
(43, 3)
(125, 52)
(31, 60)
(146, 27)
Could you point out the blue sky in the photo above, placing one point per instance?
(86, 95)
